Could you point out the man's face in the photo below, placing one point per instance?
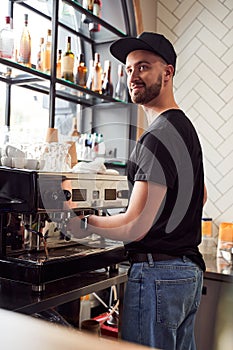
(144, 76)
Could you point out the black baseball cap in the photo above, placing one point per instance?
(149, 41)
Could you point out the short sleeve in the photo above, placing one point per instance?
(154, 161)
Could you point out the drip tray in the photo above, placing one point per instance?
(64, 260)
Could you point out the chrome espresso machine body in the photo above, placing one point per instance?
(35, 245)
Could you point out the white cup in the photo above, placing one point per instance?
(41, 164)
(6, 161)
(18, 162)
(12, 151)
(31, 164)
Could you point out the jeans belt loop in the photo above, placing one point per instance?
(150, 260)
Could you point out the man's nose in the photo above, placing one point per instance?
(134, 75)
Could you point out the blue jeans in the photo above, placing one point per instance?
(160, 304)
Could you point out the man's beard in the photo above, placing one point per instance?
(148, 94)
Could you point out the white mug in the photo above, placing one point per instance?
(6, 161)
(18, 162)
(31, 164)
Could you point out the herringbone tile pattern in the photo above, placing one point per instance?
(202, 33)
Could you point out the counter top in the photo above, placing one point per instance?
(18, 296)
(218, 268)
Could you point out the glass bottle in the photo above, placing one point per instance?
(97, 6)
(81, 76)
(90, 75)
(75, 134)
(97, 75)
(46, 53)
(88, 5)
(121, 91)
(24, 56)
(7, 40)
(39, 55)
(68, 62)
(107, 87)
(101, 145)
(59, 58)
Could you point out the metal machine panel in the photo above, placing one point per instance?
(35, 246)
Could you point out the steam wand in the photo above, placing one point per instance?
(43, 237)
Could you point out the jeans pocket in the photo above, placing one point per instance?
(175, 300)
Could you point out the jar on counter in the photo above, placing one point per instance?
(208, 244)
(206, 227)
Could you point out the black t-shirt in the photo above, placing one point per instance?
(169, 153)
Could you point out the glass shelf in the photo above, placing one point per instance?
(70, 12)
(76, 93)
(110, 29)
(14, 73)
(10, 71)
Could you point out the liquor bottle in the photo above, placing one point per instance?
(59, 58)
(46, 53)
(97, 6)
(107, 87)
(97, 75)
(24, 55)
(90, 75)
(101, 145)
(88, 5)
(68, 62)
(7, 40)
(121, 88)
(94, 145)
(81, 76)
(39, 55)
(75, 133)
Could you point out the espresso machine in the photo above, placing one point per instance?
(35, 244)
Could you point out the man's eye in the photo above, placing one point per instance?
(142, 68)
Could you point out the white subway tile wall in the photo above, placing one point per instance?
(202, 33)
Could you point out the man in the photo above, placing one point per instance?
(161, 227)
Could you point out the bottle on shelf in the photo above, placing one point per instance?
(97, 6)
(75, 134)
(102, 147)
(94, 145)
(46, 53)
(107, 86)
(88, 5)
(39, 55)
(121, 91)
(7, 40)
(81, 76)
(90, 75)
(24, 54)
(97, 75)
(68, 62)
(59, 58)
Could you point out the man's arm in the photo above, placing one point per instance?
(132, 225)
(205, 195)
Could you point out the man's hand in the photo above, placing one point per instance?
(74, 226)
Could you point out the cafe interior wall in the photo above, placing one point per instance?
(202, 34)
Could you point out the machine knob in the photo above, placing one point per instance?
(61, 196)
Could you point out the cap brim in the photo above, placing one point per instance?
(122, 47)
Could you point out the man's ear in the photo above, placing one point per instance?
(169, 72)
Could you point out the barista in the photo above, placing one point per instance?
(161, 227)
